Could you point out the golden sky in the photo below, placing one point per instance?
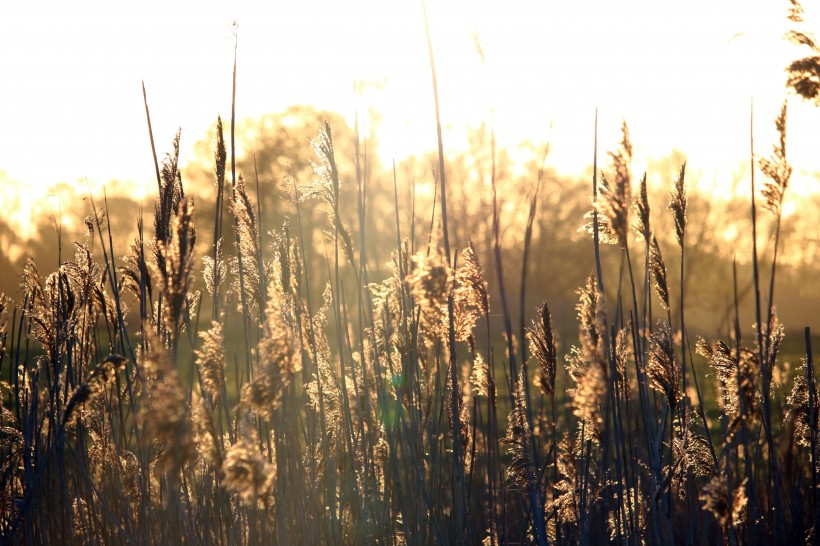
(681, 73)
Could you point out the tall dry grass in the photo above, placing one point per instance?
(390, 408)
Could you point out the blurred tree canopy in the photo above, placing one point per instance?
(266, 148)
(560, 255)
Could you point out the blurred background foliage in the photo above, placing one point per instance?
(561, 256)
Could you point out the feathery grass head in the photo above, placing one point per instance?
(94, 384)
(430, 282)
(776, 168)
(614, 200)
(214, 271)
(640, 206)
(803, 76)
(691, 455)
(615, 197)
(803, 73)
(715, 499)
(220, 153)
(210, 359)
(658, 268)
(738, 374)
(677, 204)
(620, 162)
(170, 194)
(588, 396)
(387, 309)
(278, 359)
(135, 276)
(323, 393)
(470, 294)
(662, 368)
(795, 14)
(208, 442)
(163, 415)
(774, 333)
(178, 256)
(542, 344)
(252, 271)
(613, 207)
(327, 185)
(471, 288)
(246, 473)
(463, 414)
(522, 470)
(723, 363)
(624, 350)
(798, 409)
(591, 321)
(480, 378)
(565, 501)
(586, 364)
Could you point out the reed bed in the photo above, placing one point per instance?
(294, 395)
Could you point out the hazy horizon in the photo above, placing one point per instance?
(682, 76)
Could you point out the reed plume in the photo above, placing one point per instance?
(178, 258)
(565, 495)
(715, 497)
(480, 378)
(327, 186)
(677, 204)
(164, 413)
(325, 399)
(586, 364)
(724, 364)
(463, 415)
(738, 373)
(658, 268)
(210, 359)
(135, 275)
(246, 473)
(387, 307)
(803, 73)
(640, 207)
(248, 249)
(214, 270)
(470, 294)
(522, 471)
(545, 350)
(430, 281)
(208, 441)
(776, 168)
(279, 360)
(101, 377)
(591, 315)
(663, 368)
(471, 288)
(614, 202)
(691, 454)
(171, 193)
(798, 409)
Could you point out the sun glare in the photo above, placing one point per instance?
(683, 76)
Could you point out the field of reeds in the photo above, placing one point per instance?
(301, 398)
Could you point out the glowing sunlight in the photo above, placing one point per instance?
(682, 75)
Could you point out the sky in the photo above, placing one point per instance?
(682, 74)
